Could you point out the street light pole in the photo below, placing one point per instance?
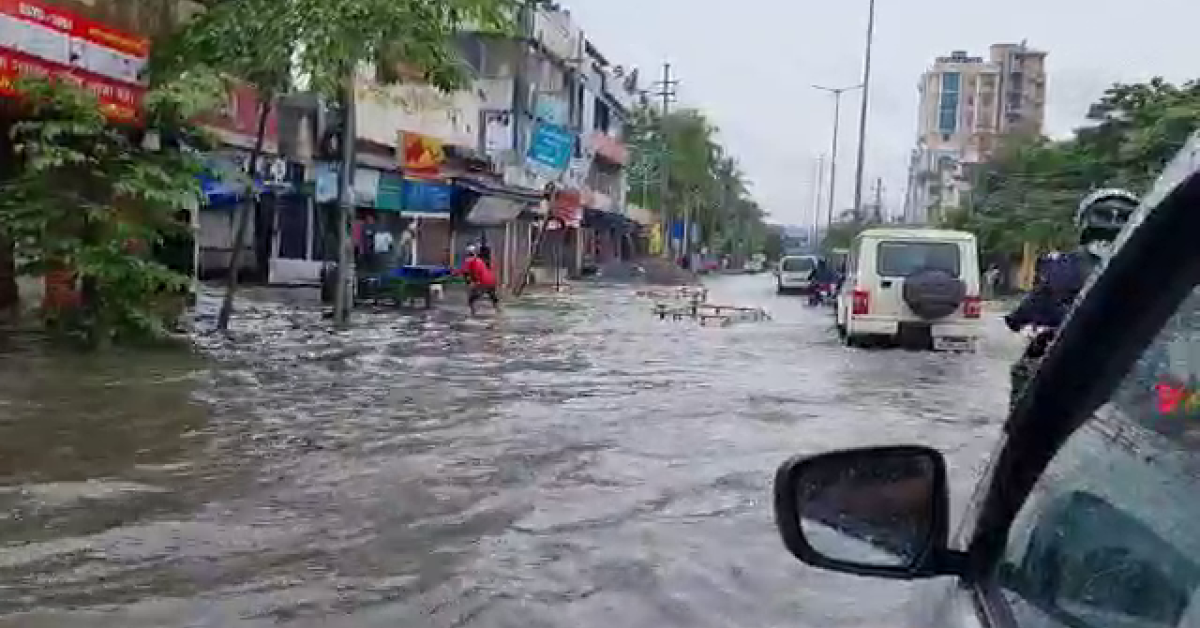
(837, 117)
(862, 116)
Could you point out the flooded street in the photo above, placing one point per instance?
(572, 462)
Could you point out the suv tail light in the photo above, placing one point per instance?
(861, 303)
(972, 307)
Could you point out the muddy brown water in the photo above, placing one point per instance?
(572, 462)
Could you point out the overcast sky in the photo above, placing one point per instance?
(750, 65)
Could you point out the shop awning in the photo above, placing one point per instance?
(494, 210)
(498, 189)
(497, 202)
(597, 219)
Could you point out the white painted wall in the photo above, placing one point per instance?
(384, 111)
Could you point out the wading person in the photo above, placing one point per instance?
(481, 281)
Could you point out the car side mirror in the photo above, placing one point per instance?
(879, 511)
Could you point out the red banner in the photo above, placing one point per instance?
(609, 148)
(568, 207)
(37, 39)
(74, 25)
(118, 101)
(240, 114)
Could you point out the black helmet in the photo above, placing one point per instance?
(1103, 213)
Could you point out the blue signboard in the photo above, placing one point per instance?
(551, 146)
(677, 228)
(426, 197)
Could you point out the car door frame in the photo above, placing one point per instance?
(1118, 316)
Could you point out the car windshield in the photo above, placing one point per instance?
(798, 264)
(903, 259)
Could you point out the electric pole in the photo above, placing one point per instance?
(520, 83)
(666, 91)
(862, 116)
(837, 117)
(818, 185)
(878, 200)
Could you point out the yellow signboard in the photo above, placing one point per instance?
(420, 155)
(656, 239)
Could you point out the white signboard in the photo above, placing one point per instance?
(106, 61)
(36, 40)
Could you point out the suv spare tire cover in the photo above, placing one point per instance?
(933, 293)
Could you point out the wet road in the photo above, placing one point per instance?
(574, 462)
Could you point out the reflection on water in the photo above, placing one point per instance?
(571, 462)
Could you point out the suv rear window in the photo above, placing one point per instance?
(797, 264)
(902, 259)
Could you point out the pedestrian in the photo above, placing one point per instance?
(481, 281)
(382, 247)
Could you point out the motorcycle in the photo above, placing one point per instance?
(1026, 366)
(822, 294)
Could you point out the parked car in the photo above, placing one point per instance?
(914, 285)
(1086, 514)
(795, 274)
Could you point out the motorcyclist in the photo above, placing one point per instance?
(822, 277)
(1061, 277)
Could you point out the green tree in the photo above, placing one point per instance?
(92, 198)
(1028, 192)
(703, 180)
(841, 234)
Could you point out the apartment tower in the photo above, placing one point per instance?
(967, 103)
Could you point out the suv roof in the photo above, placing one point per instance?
(916, 233)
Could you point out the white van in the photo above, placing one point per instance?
(912, 284)
(795, 273)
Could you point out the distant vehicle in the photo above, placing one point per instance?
(756, 264)
(796, 241)
(912, 285)
(796, 273)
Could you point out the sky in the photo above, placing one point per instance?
(750, 66)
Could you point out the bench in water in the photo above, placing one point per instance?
(706, 313)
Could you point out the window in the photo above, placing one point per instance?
(948, 104)
(497, 57)
(797, 264)
(1109, 536)
(470, 48)
(902, 259)
(600, 116)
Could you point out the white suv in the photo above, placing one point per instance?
(912, 284)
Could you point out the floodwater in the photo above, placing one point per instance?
(572, 462)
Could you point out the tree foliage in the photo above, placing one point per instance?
(92, 199)
(1029, 191)
(267, 42)
(702, 178)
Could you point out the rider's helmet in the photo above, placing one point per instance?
(1103, 213)
(472, 249)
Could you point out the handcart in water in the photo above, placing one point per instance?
(404, 285)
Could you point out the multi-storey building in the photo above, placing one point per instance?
(967, 103)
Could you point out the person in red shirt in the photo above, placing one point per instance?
(480, 278)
